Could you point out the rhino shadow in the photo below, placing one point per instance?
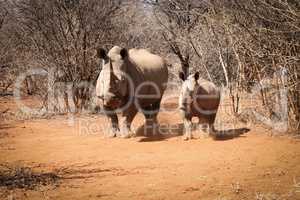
(229, 134)
(177, 130)
(162, 132)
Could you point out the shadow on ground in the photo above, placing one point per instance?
(229, 134)
(6, 126)
(3, 128)
(164, 132)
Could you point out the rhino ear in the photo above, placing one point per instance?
(124, 53)
(101, 53)
(181, 76)
(196, 76)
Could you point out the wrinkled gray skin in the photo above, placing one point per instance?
(198, 98)
(119, 86)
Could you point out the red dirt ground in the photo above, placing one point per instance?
(253, 166)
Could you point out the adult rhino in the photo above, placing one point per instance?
(198, 98)
(128, 82)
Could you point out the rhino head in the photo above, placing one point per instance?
(112, 82)
(188, 90)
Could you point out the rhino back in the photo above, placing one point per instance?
(209, 96)
(152, 67)
(149, 67)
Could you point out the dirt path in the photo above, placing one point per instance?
(252, 166)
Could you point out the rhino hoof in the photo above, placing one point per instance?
(111, 135)
(185, 138)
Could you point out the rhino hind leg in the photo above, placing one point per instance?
(187, 122)
(210, 124)
(206, 124)
(151, 124)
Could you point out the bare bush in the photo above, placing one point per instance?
(249, 42)
(61, 37)
(8, 43)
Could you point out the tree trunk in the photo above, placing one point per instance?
(224, 68)
(185, 68)
(30, 85)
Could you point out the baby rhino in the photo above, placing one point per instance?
(198, 98)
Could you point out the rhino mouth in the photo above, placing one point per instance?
(113, 103)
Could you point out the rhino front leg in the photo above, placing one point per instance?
(187, 129)
(127, 119)
(187, 124)
(114, 125)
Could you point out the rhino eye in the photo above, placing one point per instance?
(105, 61)
(119, 81)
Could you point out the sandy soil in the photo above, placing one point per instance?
(251, 166)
